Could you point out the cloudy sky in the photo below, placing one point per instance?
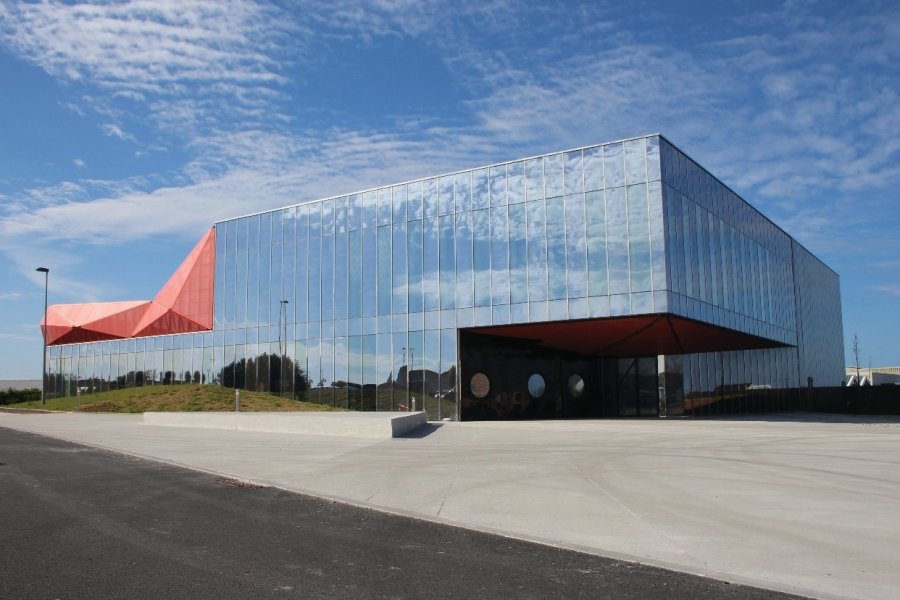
(128, 128)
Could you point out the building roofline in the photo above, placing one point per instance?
(448, 174)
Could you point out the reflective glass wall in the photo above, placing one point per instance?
(729, 265)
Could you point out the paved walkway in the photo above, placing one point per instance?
(804, 504)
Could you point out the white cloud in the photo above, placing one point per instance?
(78, 163)
(162, 55)
(113, 130)
(788, 113)
(890, 289)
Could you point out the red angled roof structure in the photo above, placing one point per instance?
(183, 305)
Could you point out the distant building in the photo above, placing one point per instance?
(620, 279)
(873, 376)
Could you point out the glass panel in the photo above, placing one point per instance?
(384, 206)
(574, 173)
(447, 257)
(593, 169)
(398, 195)
(576, 247)
(383, 375)
(447, 406)
(414, 245)
(595, 212)
(326, 362)
(481, 240)
(556, 248)
(301, 291)
(341, 248)
(653, 165)
(369, 211)
(515, 180)
(354, 215)
(384, 270)
(354, 372)
(315, 218)
(498, 185)
(400, 394)
(341, 373)
(253, 270)
(370, 372)
(464, 276)
(221, 261)
(327, 217)
(431, 198)
(617, 240)
(314, 281)
(369, 273)
(355, 278)
(289, 255)
(265, 257)
(431, 380)
(499, 256)
(445, 195)
(553, 174)
(613, 165)
(431, 270)
(638, 238)
(635, 167)
(231, 258)
(463, 192)
(416, 377)
(327, 278)
(534, 179)
(414, 209)
(657, 236)
(481, 197)
(537, 252)
(400, 292)
(240, 299)
(340, 216)
(518, 256)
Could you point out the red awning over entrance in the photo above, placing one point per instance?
(643, 335)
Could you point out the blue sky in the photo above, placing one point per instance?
(128, 128)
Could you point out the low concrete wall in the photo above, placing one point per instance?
(353, 424)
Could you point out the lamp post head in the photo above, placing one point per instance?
(43, 270)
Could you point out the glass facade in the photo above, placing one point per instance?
(360, 300)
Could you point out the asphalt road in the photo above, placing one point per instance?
(78, 522)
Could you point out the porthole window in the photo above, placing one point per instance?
(480, 385)
(536, 385)
(576, 385)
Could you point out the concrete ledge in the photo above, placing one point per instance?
(350, 424)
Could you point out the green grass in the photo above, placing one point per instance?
(177, 398)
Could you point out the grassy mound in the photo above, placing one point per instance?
(178, 398)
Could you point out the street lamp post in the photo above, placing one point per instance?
(46, 273)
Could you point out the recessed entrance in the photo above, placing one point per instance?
(581, 369)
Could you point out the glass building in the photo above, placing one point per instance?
(614, 280)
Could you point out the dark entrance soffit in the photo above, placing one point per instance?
(645, 335)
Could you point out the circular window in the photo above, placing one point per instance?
(536, 385)
(576, 386)
(480, 385)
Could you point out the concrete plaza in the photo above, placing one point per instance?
(808, 504)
